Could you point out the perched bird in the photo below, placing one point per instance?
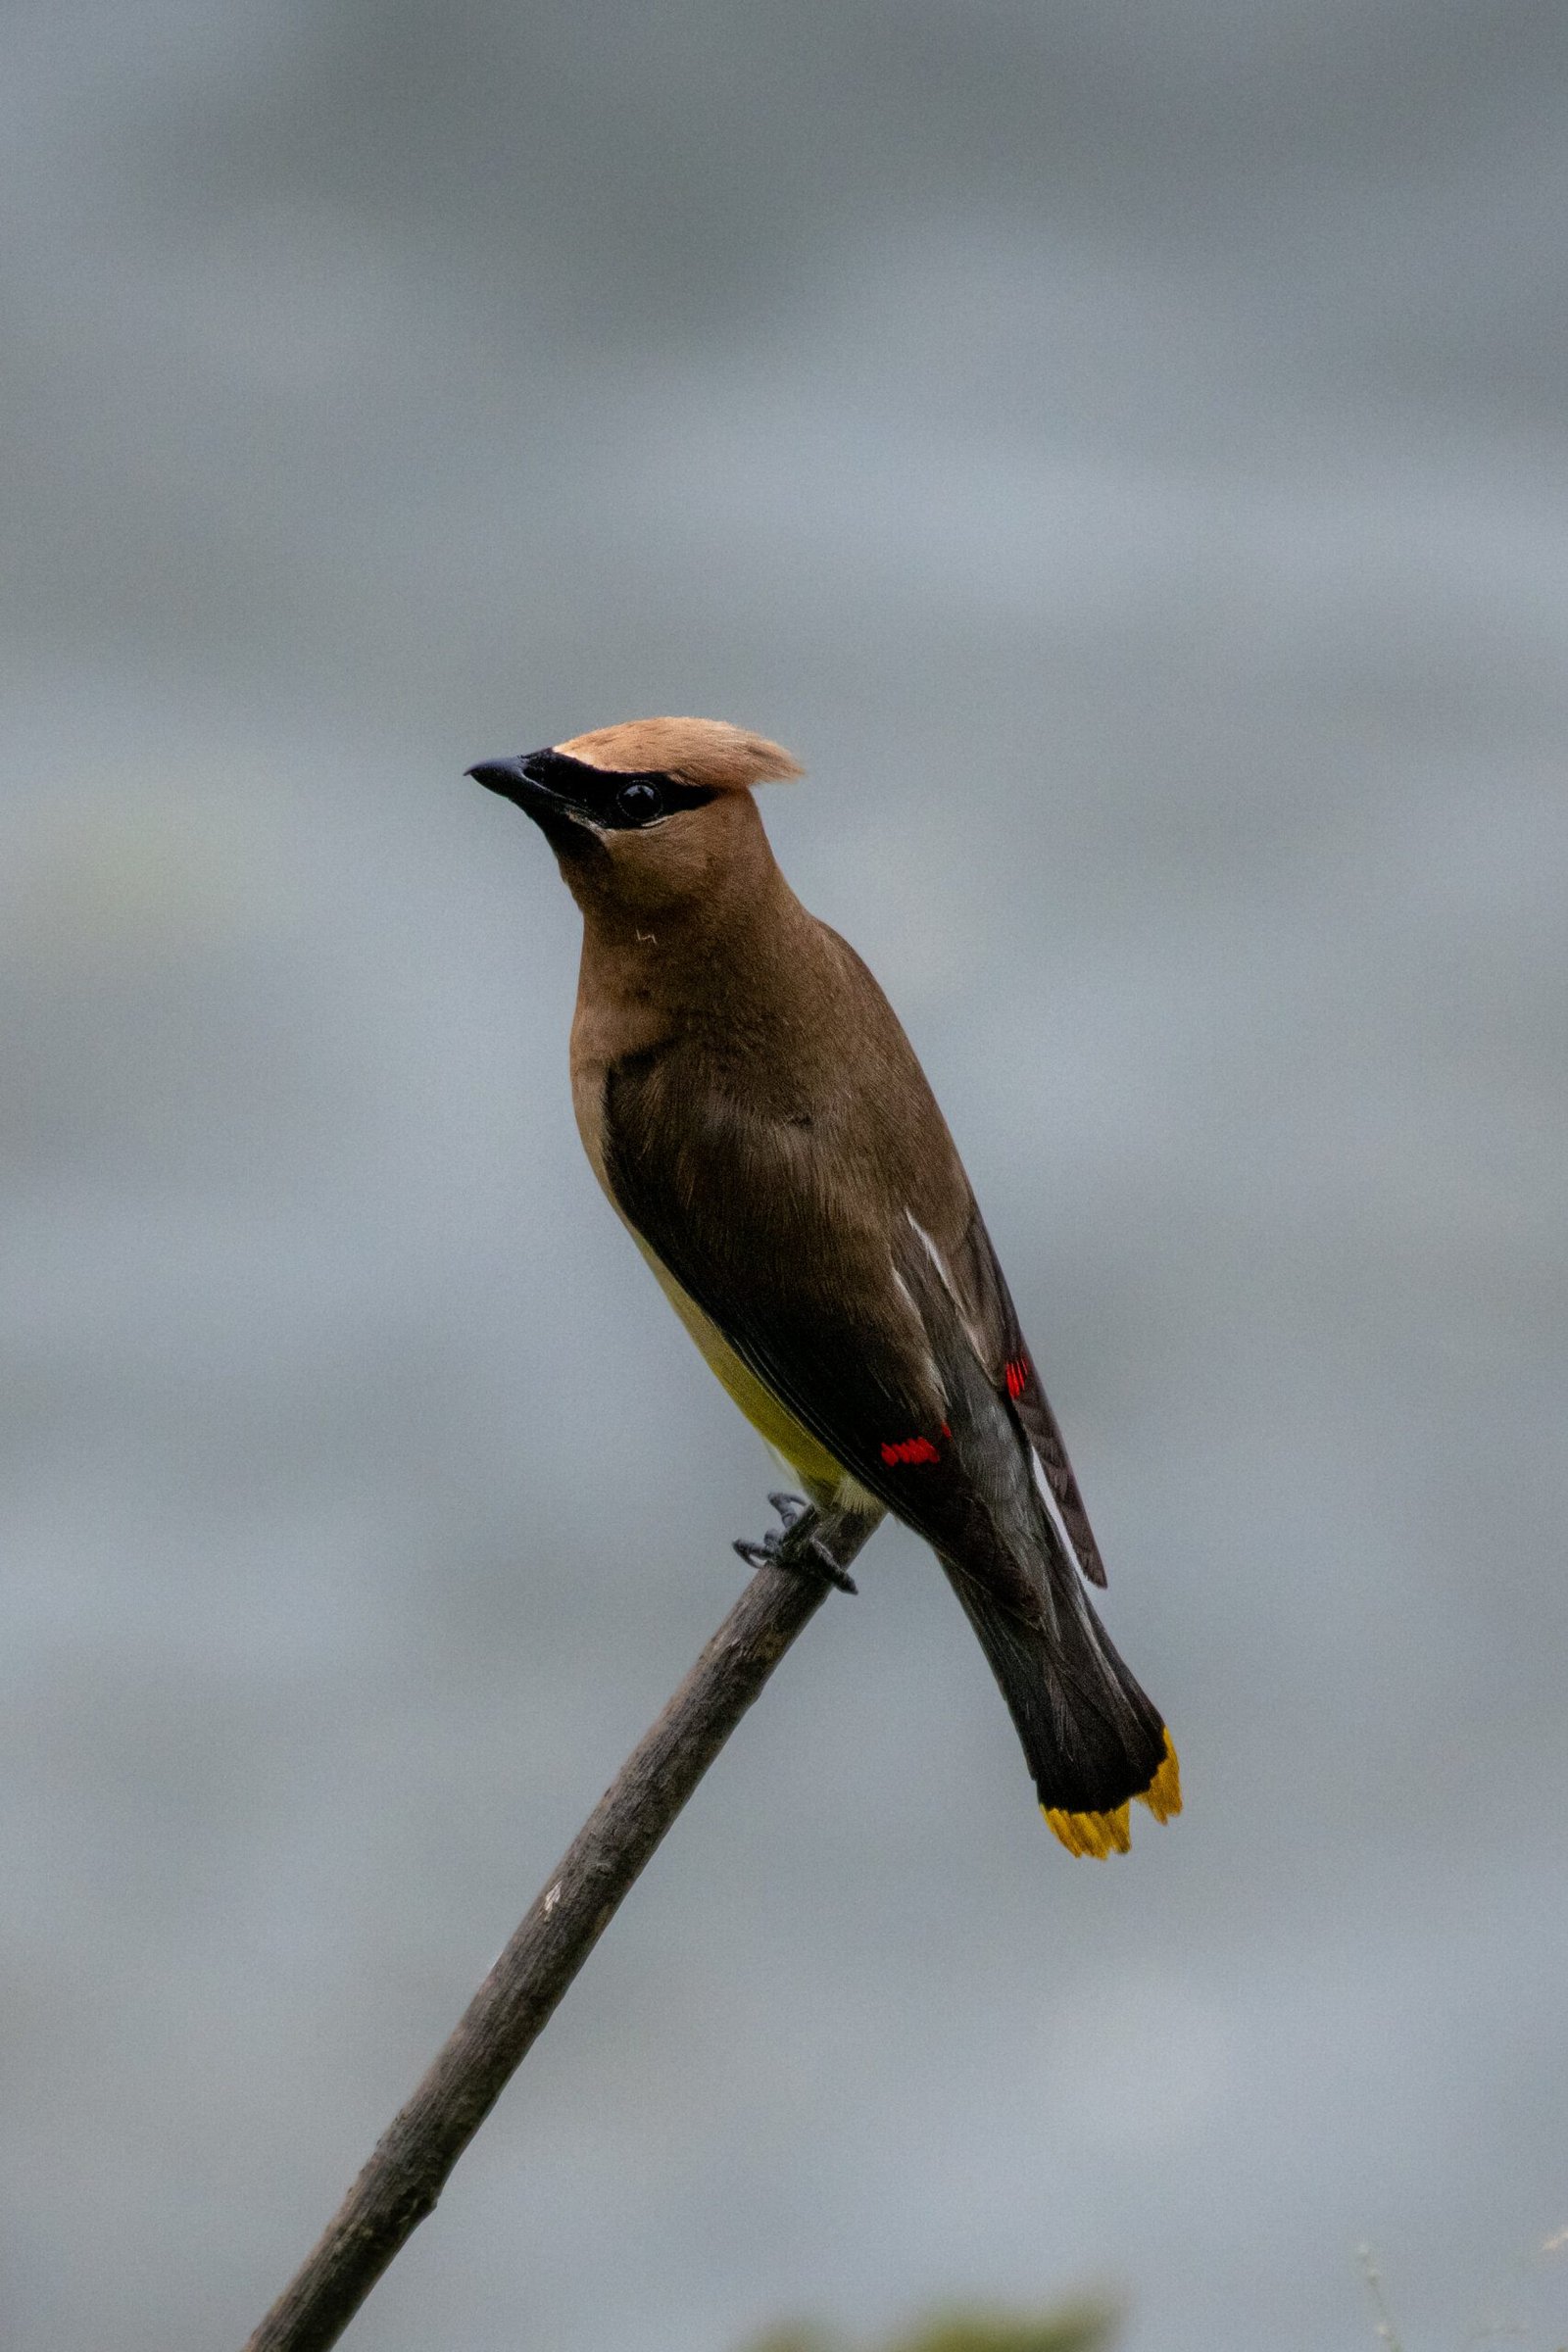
(758, 1119)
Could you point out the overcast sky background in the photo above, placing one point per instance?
(1120, 449)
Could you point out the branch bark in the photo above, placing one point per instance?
(413, 2159)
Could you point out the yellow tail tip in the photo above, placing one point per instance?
(1101, 1834)
(1163, 1795)
(1093, 1833)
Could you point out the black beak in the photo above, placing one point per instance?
(510, 778)
(564, 823)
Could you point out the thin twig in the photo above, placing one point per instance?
(412, 2161)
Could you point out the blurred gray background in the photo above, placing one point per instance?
(1120, 449)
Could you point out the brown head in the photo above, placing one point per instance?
(645, 817)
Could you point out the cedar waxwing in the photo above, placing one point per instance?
(758, 1119)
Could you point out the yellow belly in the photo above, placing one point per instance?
(824, 1479)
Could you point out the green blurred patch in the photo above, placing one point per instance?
(1086, 2326)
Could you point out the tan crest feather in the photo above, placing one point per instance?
(700, 751)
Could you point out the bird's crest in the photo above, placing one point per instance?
(700, 751)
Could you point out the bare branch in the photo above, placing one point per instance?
(411, 2164)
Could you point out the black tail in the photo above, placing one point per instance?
(1092, 1738)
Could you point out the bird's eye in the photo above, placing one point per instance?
(640, 803)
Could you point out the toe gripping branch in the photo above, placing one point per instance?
(796, 1547)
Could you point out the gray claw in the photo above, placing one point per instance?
(803, 1554)
(828, 1566)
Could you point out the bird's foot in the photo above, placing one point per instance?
(795, 1548)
